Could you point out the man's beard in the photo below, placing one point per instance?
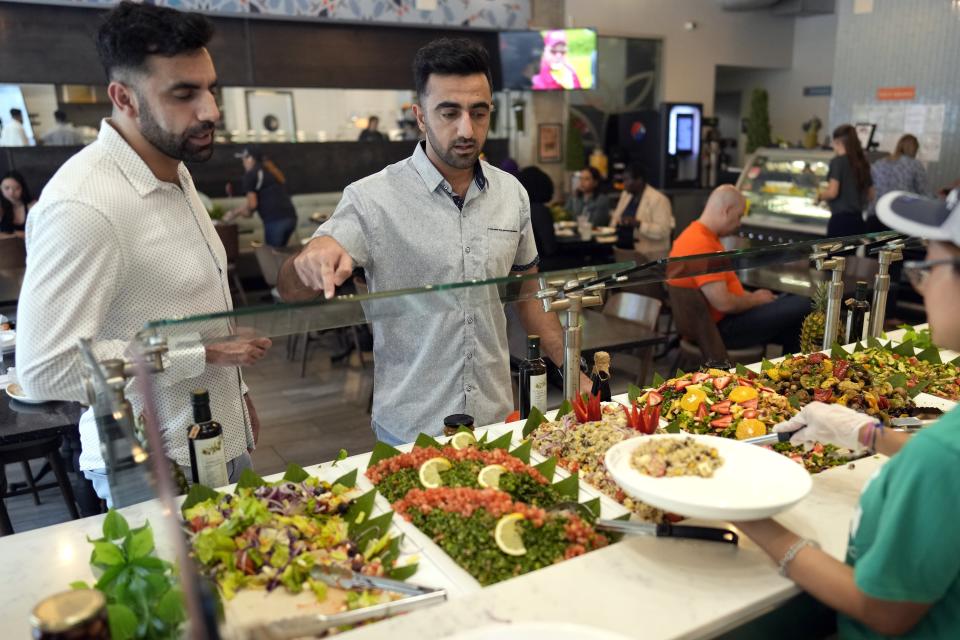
(449, 156)
(178, 147)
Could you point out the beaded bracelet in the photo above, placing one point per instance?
(869, 436)
(793, 551)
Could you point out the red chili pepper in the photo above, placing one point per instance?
(595, 408)
(840, 368)
(650, 419)
(823, 395)
(580, 409)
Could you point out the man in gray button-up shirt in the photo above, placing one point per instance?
(442, 215)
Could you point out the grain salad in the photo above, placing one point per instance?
(672, 457)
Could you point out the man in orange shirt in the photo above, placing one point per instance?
(744, 319)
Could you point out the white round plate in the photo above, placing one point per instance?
(753, 483)
(537, 631)
(604, 231)
(565, 224)
(19, 397)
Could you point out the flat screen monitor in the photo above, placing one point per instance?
(684, 134)
(556, 60)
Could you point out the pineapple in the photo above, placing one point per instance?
(811, 333)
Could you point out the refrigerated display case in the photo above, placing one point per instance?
(781, 187)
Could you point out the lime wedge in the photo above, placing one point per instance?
(507, 535)
(462, 440)
(430, 472)
(489, 476)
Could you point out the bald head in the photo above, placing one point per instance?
(724, 209)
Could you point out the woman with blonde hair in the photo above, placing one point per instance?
(900, 171)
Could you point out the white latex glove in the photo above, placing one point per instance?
(826, 423)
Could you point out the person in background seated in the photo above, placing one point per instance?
(587, 199)
(849, 187)
(263, 184)
(370, 134)
(539, 188)
(15, 203)
(648, 211)
(744, 319)
(901, 572)
(64, 134)
(900, 171)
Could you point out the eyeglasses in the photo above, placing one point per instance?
(918, 271)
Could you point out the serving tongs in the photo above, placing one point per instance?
(900, 424)
(663, 530)
(415, 597)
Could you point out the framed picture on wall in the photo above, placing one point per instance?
(549, 146)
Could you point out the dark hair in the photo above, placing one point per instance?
(538, 184)
(597, 176)
(636, 170)
(131, 32)
(449, 57)
(16, 113)
(847, 134)
(6, 219)
(59, 116)
(377, 118)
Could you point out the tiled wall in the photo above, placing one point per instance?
(902, 43)
(484, 14)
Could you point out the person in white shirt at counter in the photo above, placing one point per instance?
(63, 134)
(13, 134)
(901, 575)
(647, 212)
(119, 237)
(443, 215)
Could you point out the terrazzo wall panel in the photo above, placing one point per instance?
(902, 43)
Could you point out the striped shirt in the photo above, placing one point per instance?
(444, 352)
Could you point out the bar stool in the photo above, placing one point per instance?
(22, 453)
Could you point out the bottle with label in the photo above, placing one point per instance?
(600, 376)
(533, 379)
(857, 308)
(208, 464)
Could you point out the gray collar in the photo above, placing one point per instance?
(432, 178)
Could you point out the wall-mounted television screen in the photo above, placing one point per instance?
(557, 60)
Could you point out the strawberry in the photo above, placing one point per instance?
(702, 411)
(679, 385)
(654, 398)
(720, 382)
(750, 404)
(745, 382)
(750, 414)
(721, 407)
(722, 423)
(699, 377)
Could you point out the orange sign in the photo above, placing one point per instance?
(896, 93)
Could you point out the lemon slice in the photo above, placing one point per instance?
(462, 440)
(692, 399)
(751, 428)
(489, 476)
(507, 535)
(430, 472)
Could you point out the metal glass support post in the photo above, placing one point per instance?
(559, 296)
(881, 287)
(836, 266)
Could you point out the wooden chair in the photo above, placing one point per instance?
(644, 311)
(230, 237)
(652, 290)
(22, 453)
(700, 339)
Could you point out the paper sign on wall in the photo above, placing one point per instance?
(925, 121)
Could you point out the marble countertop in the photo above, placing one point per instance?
(677, 588)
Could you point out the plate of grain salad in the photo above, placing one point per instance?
(708, 477)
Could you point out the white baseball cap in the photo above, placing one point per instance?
(922, 217)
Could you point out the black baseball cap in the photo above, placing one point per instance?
(922, 217)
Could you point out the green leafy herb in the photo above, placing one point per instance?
(424, 441)
(250, 480)
(564, 409)
(142, 592)
(838, 352)
(634, 392)
(766, 364)
(503, 442)
(348, 480)
(198, 493)
(382, 451)
(522, 452)
(547, 468)
(341, 456)
(295, 473)
(905, 349)
(931, 355)
(534, 420)
(742, 371)
(658, 380)
(680, 373)
(569, 487)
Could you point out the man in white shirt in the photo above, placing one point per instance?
(120, 237)
(63, 134)
(14, 135)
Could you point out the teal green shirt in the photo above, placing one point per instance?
(905, 534)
